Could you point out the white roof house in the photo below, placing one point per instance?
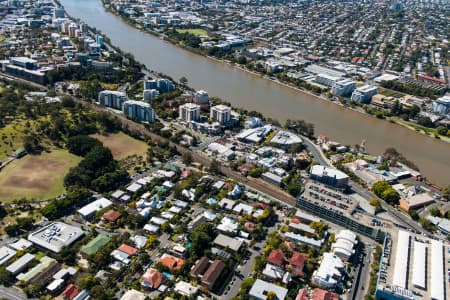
(329, 272)
(186, 289)
(273, 272)
(227, 242)
(261, 288)
(151, 228)
(301, 239)
(134, 187)
(90, 209)
(243, 208)
(228, 224)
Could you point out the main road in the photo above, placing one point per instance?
(275, 100)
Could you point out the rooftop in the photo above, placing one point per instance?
(261, 288)
(55, 236)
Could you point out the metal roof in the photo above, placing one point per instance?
(401, 260)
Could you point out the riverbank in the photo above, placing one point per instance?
(393, 120)
(242, 89)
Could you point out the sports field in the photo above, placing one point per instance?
(36, 177)
(194, 31)
(122, 145)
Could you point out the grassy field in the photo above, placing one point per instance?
(122, 145)
(194, 31)
(37, 177)
(11, 138)
(2, 38)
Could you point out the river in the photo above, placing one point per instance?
(252, 92)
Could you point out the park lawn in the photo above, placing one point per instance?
(390, 93)
(2, 37)
(122, 145)
(37, 177)
(194, 31)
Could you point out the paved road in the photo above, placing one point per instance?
(12, 294)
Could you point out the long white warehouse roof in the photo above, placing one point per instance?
(401, 260)
(419, 278)
(437, 270)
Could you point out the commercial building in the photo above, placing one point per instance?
(328, 80)
(139, 110)
(261, 289)
(416, 201)
(189, 112)
(286, 139)
(413, 266)
(343, 87)
(201, 97)
(89, 210)
(221, 113)
(364, 94)
(24, 62)
(55, 236)
(113, 99)
(340, 218)
(329, 176)
(441, 105)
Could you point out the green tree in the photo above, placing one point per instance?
(379, 187)
(6, 278)
(391, 196)
(425, 121)
(187, 158)
(427, 225)
(441, 130)
(445, 194)
(183, 80)
(214, 167)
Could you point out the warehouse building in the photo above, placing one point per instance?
(413, 267)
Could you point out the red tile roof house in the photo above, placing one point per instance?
(111, 216)
(171, 262)
(276, 257)
(302, 294)
(297, 263)
(128, 249)
(70, 292)
(152, 278)
(319, 294)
